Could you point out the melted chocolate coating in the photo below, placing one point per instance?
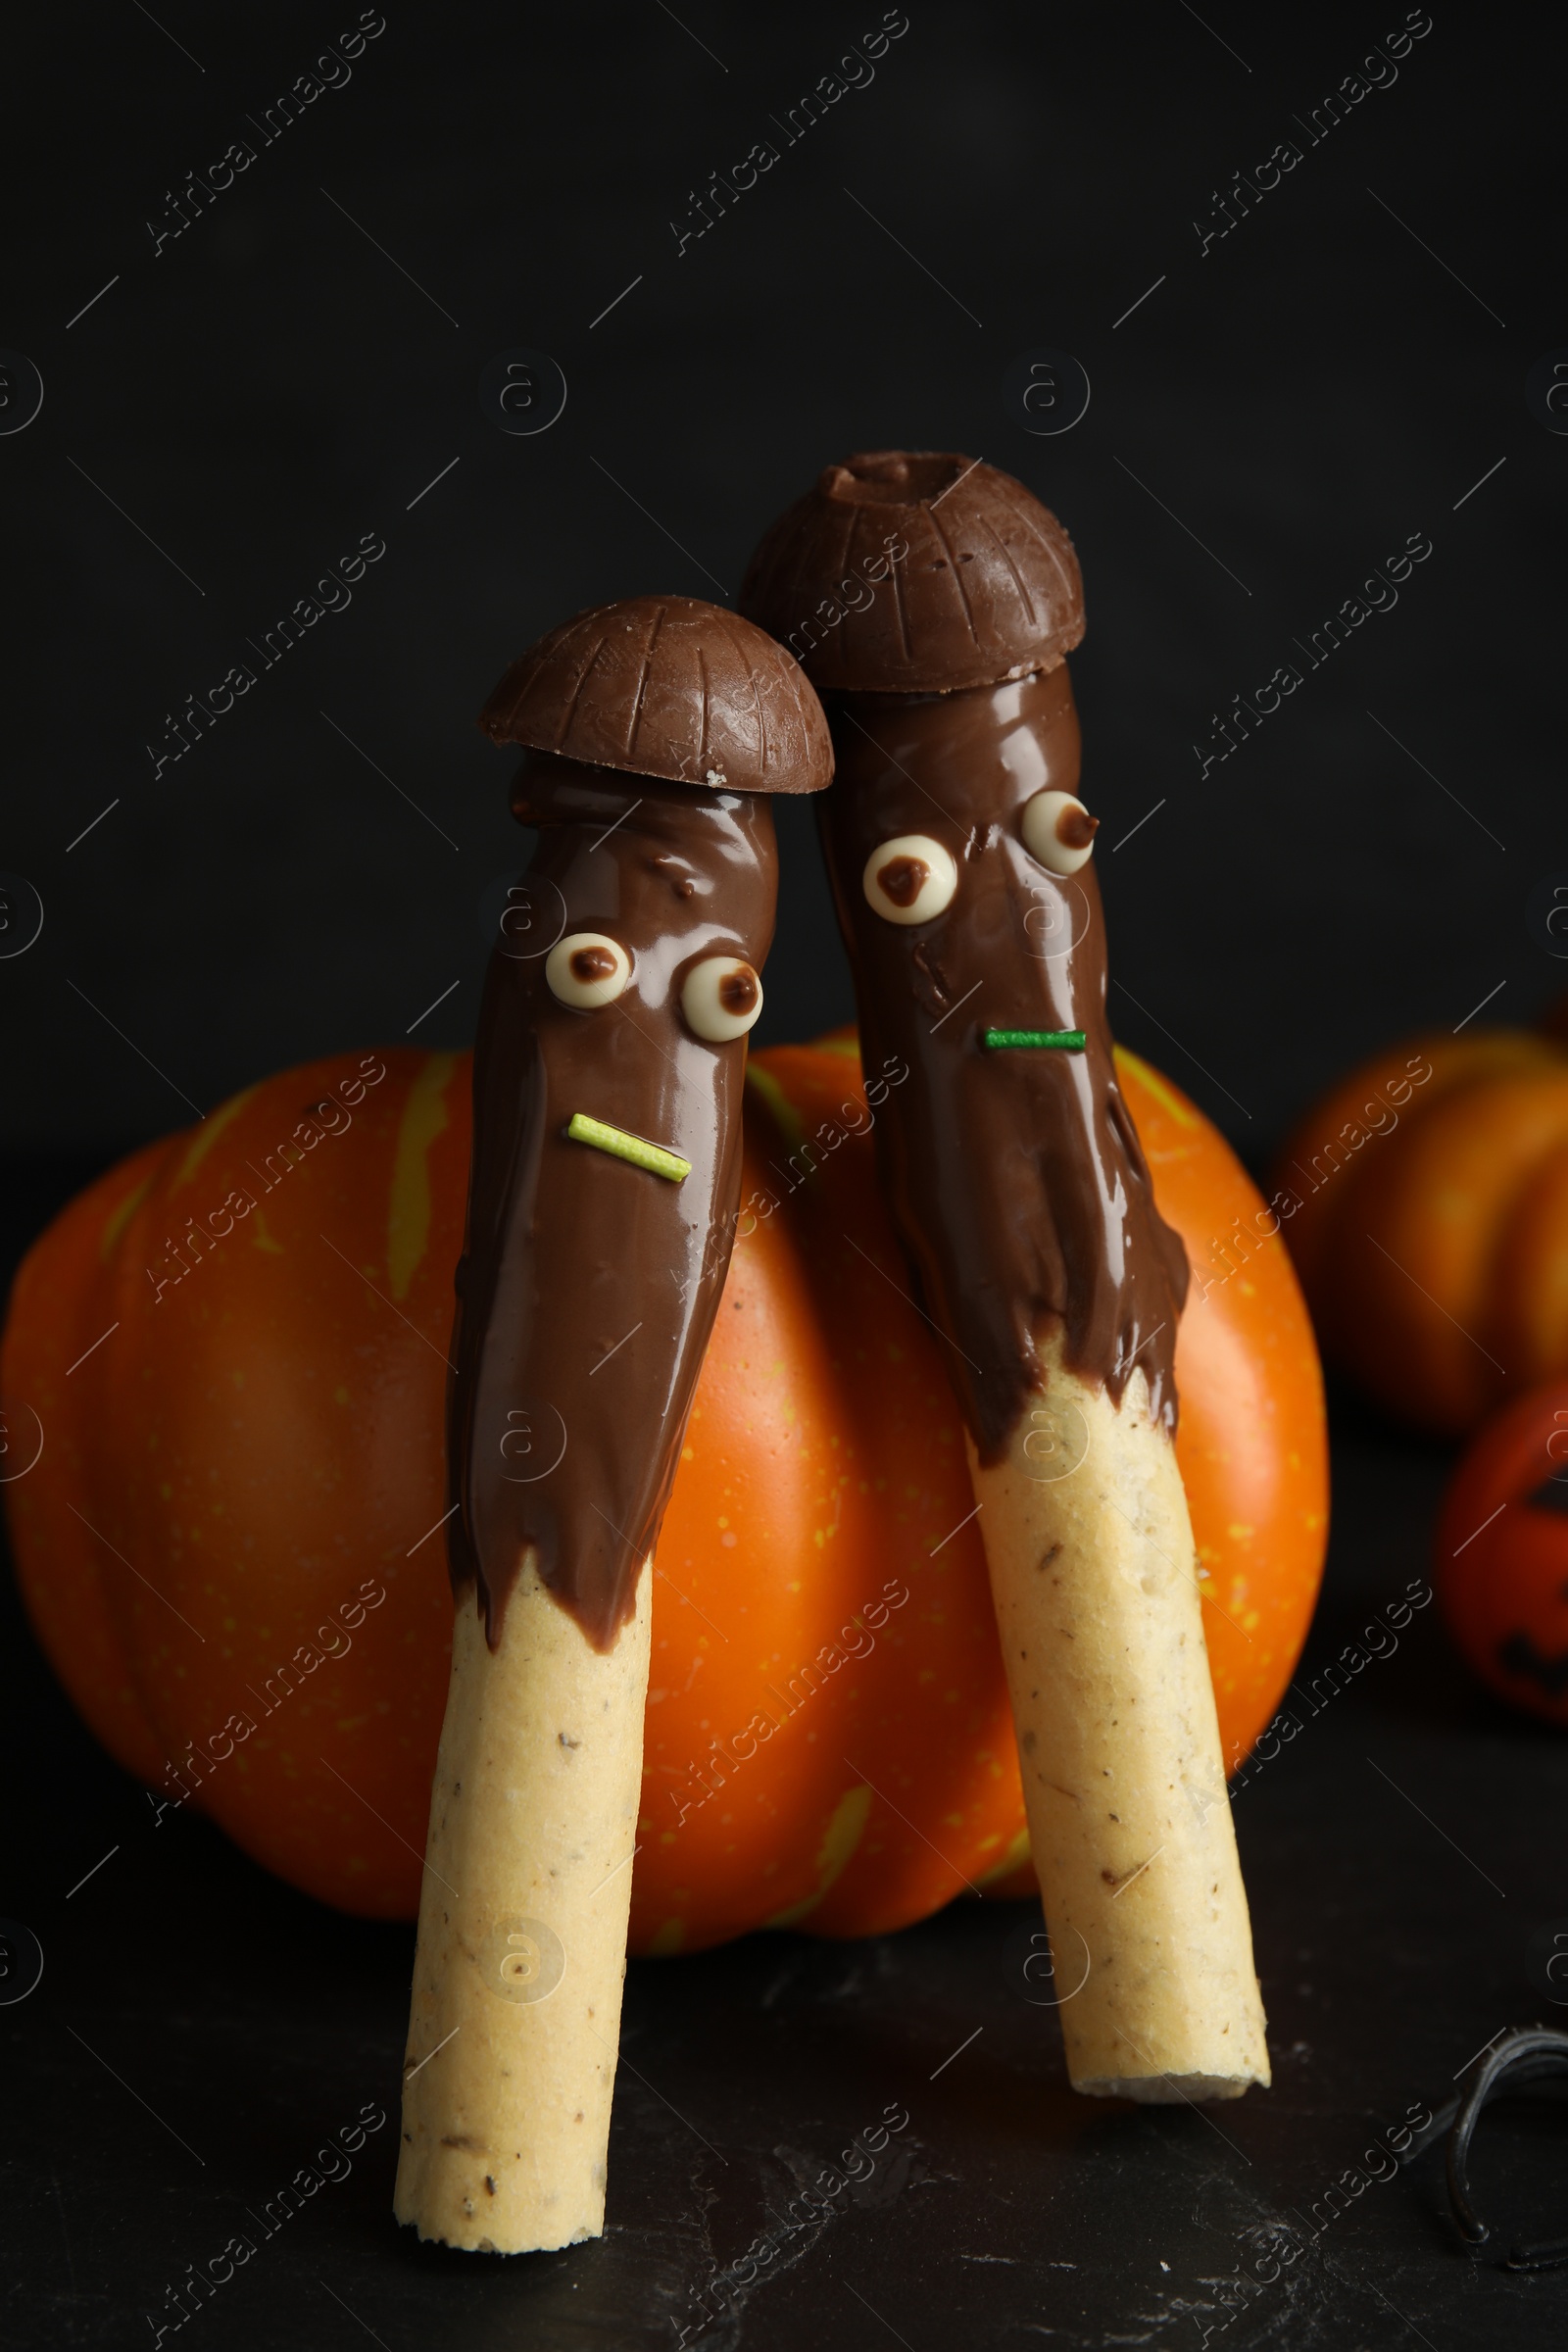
(1015, 1177)
(587, 1287)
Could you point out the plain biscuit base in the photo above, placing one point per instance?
(1093, 1577)
(533, 1817)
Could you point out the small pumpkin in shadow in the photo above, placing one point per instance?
(1501, 1574)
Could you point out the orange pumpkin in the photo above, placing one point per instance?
(1502, 1553)
(1432, 1231)
(230, 1546)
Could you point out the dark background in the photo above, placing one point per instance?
(271, 386)
(1324, 383)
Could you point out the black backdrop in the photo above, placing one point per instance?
(296, 364)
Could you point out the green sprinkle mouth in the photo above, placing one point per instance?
(622, 1146)
(1068, 1041)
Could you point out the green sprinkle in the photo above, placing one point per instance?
(622, 1146)
(1071, 1041)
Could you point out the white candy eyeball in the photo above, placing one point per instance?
(722, 998)
(1058, 831)
(911, 879)
(586, 969)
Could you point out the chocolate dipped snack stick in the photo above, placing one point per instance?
(960, 856)
(603, 1200)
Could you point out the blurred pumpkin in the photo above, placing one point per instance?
(231, 1546)
(1502, 1553)
(1431, 1231)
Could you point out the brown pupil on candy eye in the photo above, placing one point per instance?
(592, 963)
(737, 991)
(1076, 828)
(902, 879)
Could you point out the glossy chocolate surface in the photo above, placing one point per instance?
(917, 569)
(1014, 1177)
(667, 686)
(588, 1286)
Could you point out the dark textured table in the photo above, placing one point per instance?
(201, 2036)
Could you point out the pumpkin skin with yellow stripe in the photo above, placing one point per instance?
(231, 1545)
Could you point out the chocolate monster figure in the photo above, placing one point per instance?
(933, 601)
(607, 1152)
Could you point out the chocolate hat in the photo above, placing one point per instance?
(986, 587)
(671, 687)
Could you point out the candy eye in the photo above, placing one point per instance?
(1059, 831)
(911, 879)
(586, 969)
(722, 998)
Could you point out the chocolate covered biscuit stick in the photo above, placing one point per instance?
(960, 858)
(607, 1146)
